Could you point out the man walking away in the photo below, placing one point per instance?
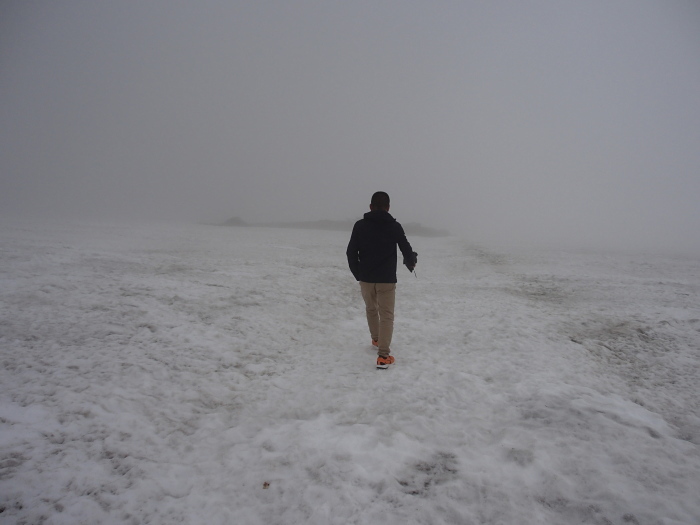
(372, 258)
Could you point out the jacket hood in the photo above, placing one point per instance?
(379, 216)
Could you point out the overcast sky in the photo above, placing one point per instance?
(530, 120)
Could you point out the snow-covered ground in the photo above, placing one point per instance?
(208, 375)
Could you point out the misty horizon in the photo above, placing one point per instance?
(543, 123)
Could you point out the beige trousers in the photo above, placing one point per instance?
(379, 302)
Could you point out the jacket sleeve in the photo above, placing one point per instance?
(353, 254)
(410, 258)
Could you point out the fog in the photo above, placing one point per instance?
(532, 122)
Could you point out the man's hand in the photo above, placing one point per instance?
(411, 262)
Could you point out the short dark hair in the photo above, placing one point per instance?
(380, 200)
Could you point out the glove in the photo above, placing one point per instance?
(410, 262)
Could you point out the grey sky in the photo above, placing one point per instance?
(540, 120)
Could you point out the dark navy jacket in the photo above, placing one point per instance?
(372, 248)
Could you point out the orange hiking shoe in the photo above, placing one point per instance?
(375, 342)
(384, 362)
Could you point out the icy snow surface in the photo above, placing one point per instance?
(199, 374)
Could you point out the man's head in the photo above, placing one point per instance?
(380, 201)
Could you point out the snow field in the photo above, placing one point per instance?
(196, 374)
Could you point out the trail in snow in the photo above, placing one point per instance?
(196, 374)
